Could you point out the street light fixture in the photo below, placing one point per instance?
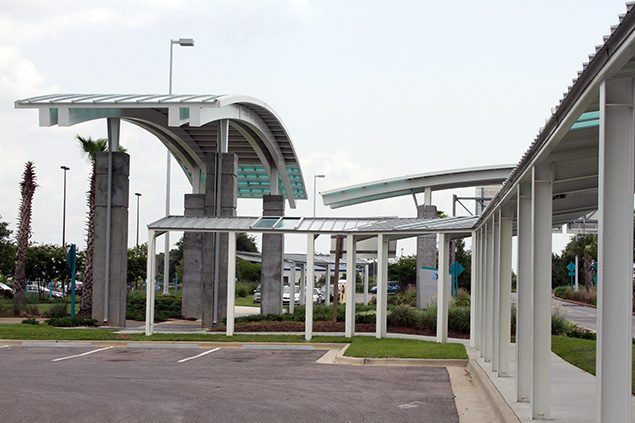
(314, 190)
(64, 168)
(138, 195)
(183, 42)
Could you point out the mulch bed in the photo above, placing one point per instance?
(329, 327)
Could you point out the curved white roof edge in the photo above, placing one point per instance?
(409, 184)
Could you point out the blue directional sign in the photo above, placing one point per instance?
(571, 267)
(455, 270)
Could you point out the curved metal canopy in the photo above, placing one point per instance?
(188, 126)
(412, 184)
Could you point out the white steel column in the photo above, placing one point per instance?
(150, 284)
(489, 293)
(382, 282)
(615, 250)
(231, 281)
(524, 289)
(496, 290)
(292, 288)
(482, 289)
(327, 278)
(443, 288)
(349, 325)
(308, 292)
(366, 284)
(473, 291)
(542, 221)
(505, 294)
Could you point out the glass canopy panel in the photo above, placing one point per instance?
(266, 223)
(288, 223)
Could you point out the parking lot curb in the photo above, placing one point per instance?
(499, 406)
(340, 358)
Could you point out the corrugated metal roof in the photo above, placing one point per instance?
(331, 225)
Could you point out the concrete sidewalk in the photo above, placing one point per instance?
(573, 396)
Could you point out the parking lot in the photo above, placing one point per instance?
(186, 384)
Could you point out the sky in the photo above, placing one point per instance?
(366, 89)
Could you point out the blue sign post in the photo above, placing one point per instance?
(71, 259)
(455, 270)
(571, 269)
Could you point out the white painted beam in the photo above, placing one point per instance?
(489, 293)
(382, 282)
(150, 285)
(496, 291)
(231, 282)
(473, 290)
(505, 294)
(349, 326)
(308, 292)
(443, 288)
(524, 288)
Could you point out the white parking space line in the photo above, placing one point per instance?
(5, 346)
(199, 355)
(81, 355)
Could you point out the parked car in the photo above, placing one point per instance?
(257, 295)
(317, 296)
(392, 288)
(286, 296)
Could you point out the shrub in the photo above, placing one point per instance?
(462, 298)
(513, 323)
(165, 307)
(70, 322)
(402, 316)
(559, 324)
(459, 319)
(582, 333)
(406, 297)
(427, 319)
(58, 310)
(244, 289)
(369, 316)
(30, 321)
(560, 291)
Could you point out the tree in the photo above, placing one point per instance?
(404, 270)
(585, 246)
(7, 250)
(90, 148)
(464, 257)
(47, 262)
(27, 189)
(246, 243)
(137, 264)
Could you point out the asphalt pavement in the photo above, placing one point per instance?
(189, 384)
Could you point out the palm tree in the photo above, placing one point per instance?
(27, 189)
(90, 148)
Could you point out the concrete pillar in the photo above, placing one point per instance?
(192, 260)
(443, 288)
(308, 293)
(382, 285)
(542, 222)
(524, 288)
(489, 293)
(223, 203)
(426, 255)
(505, 293)
(351, 259)
(272, 259)
(109, 295)
(615, 250)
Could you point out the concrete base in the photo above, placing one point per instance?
(272, 259)
(115, 303)
(426, 256)
(192, 261)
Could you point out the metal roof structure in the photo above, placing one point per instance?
(413, 184)
(188, 126)
(318, 259)
(392, 226)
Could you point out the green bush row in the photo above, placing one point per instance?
(165, 307)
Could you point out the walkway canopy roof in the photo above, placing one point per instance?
(413, 184)
(188, 126)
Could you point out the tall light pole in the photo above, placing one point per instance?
(183, 42)
(138, 195)
(314, 190)
(64, 168)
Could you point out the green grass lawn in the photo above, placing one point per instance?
(247, 301)
(361, 346)
(581, 353)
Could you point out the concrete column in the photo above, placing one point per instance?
(272, 259)
(111, 252)
(382, 285)
(223, 203)
(231, 282)
(192, 261)
(426, 255)
(473, 292)
(349, 326)
(505, 293)
(489, 293)
(615, 250)
(524, 288)
(443, 288)
(308, 293)
(496, 293)
(542, 222)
